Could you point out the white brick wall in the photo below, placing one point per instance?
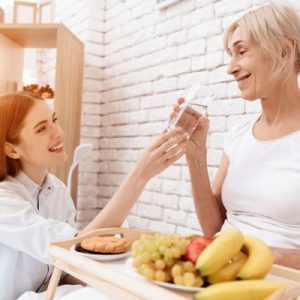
(138, 61)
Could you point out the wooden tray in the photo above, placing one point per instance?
(120, 285)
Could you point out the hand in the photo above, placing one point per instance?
(166, 149)
(197, 141)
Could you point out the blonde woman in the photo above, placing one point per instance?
(35, 206)
(257, 186)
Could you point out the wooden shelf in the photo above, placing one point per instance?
(34, 35)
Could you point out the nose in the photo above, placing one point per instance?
(233, 67)
(57, 131)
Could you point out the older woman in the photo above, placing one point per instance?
(257, 186)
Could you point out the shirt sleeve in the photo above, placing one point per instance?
(22, 229)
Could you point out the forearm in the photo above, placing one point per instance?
(287, 257)
(209, 209)
(117, 209)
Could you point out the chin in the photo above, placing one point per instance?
(249, 96)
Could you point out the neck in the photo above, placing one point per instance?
(37, 176)
(283, 104)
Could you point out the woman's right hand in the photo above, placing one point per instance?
(197, 141)
(166, 149)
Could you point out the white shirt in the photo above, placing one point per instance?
(30, 218)
(261, 191)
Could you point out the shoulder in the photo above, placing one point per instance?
(11, 189)
(9, 184)
(238, 132)
(242, 126)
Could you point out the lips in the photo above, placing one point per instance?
(242, 80)
(57, 147)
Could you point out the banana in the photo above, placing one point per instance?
(230, 271)
(260, 259)
(218, 253)
(240, 290)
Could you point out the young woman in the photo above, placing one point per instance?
(35, 207)
(257, 185)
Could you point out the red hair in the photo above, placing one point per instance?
(13, 110)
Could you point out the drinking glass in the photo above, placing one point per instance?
(192, 109)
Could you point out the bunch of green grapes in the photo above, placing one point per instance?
(157, 257)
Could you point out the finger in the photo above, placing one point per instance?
(180, 100)
(164, 137)
(174, 158)
(171, 152)
(172, 142)
(173, 114)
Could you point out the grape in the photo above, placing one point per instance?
(178, 280)
(198, 281)
(160, 276)
(149, 273)
(155, 256)
(145, 258)
(137, 262)
(189, 278)
(176, 270)
(160, 264)
(188, 266)
(169, 261)
(176, 252)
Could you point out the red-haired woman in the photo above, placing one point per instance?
(35, 207)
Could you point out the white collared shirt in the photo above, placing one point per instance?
(30, 218)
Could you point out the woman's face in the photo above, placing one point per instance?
(251, 68)
(41, 139)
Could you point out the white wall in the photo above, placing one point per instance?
(150, 58)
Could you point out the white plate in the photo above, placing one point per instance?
(172, 286)
(102, 257)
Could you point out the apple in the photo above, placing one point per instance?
(196, 246)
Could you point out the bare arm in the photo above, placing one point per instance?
(168, 148)
(287, 257)
(208, 203)
(207, 200)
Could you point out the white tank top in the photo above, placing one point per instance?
(261, 191)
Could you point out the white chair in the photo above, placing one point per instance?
(80, 152)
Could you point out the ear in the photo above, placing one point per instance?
(11, 151)
(290, 48)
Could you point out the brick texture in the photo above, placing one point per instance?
(138, 61)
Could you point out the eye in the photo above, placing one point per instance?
(54, 120)
(41, 129)
(242, 52)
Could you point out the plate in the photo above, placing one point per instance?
(172, 286)
(102, 257)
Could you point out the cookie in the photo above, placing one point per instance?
(106, 244)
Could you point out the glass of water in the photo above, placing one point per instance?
(192, 109)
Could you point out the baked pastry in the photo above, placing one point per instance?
(106, 244)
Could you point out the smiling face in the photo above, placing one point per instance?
(251, 68)
(41, 140)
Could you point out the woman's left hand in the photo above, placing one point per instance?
(165, 150)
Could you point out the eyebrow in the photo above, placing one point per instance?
(234, 44)
(43, 121)
(237, 42)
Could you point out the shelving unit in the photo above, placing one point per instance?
(68, 75)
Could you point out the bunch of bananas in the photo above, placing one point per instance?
(233, 256)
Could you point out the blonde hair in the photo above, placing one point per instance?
(276, 28)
